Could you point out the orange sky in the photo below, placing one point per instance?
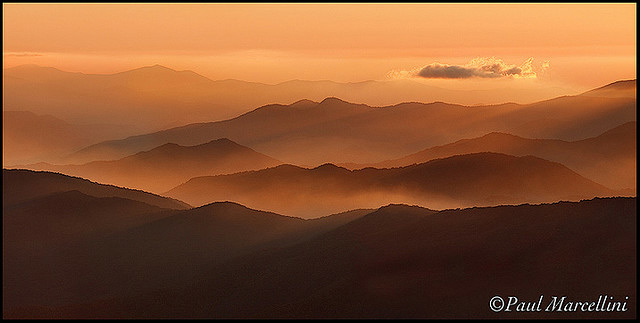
(586, 45)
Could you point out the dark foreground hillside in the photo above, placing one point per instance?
(409, 262)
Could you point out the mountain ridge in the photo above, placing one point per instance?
(28, 184)
(168, 165)
(169, 93)
(343, 131)
(605, 158)
(456, 181)
(410, 269)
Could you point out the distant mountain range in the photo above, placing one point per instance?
(311, 133)
(458, 181)
(169, 165)
(608, 159)
(157, 97)
(330, 130)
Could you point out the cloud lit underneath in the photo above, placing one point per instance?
(481, 67)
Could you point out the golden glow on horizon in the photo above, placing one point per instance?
(343, 42)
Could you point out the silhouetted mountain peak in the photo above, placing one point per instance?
(171, 164)
(624, 88)
(400, 207)
(222, 145)
(164, 73)
(329, 166)
(333, 100)
(394, 214)
(619, 85)
(329, 169)
(223, 206)
(156, 68)
(238, 213)
(497, 134)
(304, 103)
(222, 141)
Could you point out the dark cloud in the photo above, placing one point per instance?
(479, 67)
(446, 72)
(513, 71)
